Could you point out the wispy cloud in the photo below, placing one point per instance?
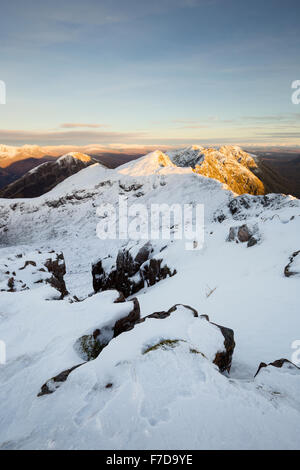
(75, 125)
(16, 136)
(291, 117)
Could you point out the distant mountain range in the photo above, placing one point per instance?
(266, 172)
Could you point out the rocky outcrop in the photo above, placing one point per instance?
(245, 206)
(130, 273)
(28, 271)
(57, 268)
(244, 234)
(291, 269)
(279, 363)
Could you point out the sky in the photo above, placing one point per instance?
(135, 72)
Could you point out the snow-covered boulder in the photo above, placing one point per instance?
(160, 330)
(223, 355)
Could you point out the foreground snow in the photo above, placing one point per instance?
(169, 397)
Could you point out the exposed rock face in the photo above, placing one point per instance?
(130, 274)
(128, 322)
(279, 363)
(45, 176)
(233, 167)
(187, 157)
(58, 269)
(239, 170)
(28, 271)
(243, 234)
(293, 267)
(55, 382)
(223, 359)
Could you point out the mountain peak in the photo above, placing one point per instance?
(151, 163)
(46, 176)
(75, 155)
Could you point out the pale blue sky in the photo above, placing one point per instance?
(159, 72)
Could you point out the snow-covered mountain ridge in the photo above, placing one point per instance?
(152, 381)
(46, 176)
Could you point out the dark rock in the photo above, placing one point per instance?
(132, 187)
(129, 274)
(223, 359)
(58, 269)
(128, 322)
(125, 263)
(27, 263)
(163, 314)
(143, 254)
(205, 316)
(153, 271)
(252, 241)
(288, 270)
(52, 384)
(11, 284)
(120, 299)
(244, 234)
(278, 363)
